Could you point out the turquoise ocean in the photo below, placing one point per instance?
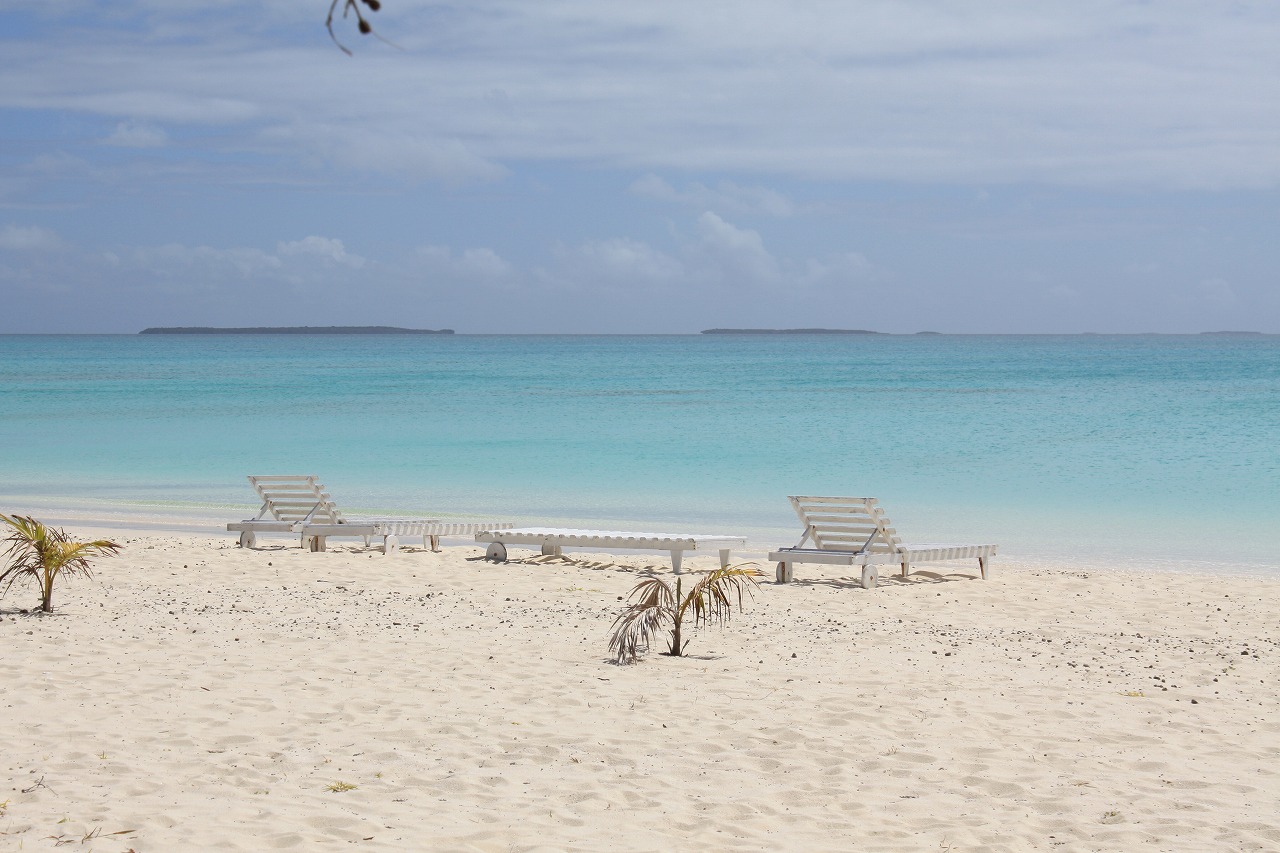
(1146, 451)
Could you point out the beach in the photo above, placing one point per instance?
(852, 285)
(197, 695)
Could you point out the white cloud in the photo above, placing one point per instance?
(1097, 92)
(131, 135)
(725, 196)
(715, 256)
(475, 265)
(417, 156)
(207, 262)
(58, 164)
(617, 262)
(738, 253)
(482, 263)
(30, 238)
(837, 269)
(325, 248)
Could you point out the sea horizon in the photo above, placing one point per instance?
(870, 332)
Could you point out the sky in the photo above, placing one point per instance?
(566, 166)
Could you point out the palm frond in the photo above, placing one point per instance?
(653, 592)
(74, 556)
(712, 599)
(635, 628)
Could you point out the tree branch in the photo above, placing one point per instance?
(349, 6)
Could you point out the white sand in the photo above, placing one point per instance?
(200, 696)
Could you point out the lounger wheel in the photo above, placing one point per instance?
(496, 552)
(870, 576)
(247, 539)
(781, 575)
(315, 543)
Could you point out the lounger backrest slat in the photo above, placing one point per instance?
(846, 524)
(295, 498)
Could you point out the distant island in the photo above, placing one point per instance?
(292, 330)
(1231, 333)
(789, 332)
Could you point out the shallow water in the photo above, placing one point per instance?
(1163, 450)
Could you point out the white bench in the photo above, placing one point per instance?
(315, 536)
(552, 541)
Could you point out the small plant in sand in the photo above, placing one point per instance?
(656, 607)
(339, 787)
(42, 553)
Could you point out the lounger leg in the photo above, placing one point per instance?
(724, 558)
(982, 566)
(677, 557)
(435, 543)
(390, 545)
(870, 577)
(906, 568)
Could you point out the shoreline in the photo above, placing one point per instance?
(211, 519)
(207, 695)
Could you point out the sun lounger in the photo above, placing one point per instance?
(299, 504)
(551, 540)
(287, 503)
(855, 532)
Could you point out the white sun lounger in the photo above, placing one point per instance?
(551, 540)
(287, 503)
(855, 532)
(299, 504)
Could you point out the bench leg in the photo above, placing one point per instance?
(870, 577)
